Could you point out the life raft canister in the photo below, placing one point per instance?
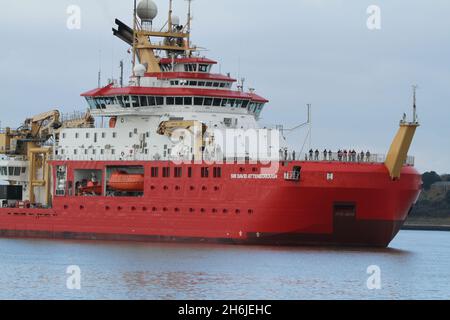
(112, 122)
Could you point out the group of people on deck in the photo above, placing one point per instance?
(328, 155)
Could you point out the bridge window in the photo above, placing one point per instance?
(120, 100)
(155, 172)
(143, 101)
(134, 101)
(208, 102)
(179, 101)
(170, 101)
(217, 102)
(203, 68)
(126, 101)
(190, 67)
(151, 101)
(188, 101)
(198, 101)
(159, 101)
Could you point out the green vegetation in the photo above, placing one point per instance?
(429, 178)
(433, 206)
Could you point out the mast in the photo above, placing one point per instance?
(188, 26)
(134, 35)
(169, 21)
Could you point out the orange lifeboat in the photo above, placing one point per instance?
(92, 188)
(126, 182)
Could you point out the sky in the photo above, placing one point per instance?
(293, 52)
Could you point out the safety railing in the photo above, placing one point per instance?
(339, 157)
(290, 156)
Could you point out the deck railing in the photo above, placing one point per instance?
(290, 156)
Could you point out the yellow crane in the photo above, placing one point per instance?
(196, 128)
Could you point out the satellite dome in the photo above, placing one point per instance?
(147, 10)
(140, 70)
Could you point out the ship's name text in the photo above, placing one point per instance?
(254, 176)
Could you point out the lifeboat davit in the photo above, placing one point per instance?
(126, 182)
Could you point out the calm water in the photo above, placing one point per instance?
(416, 266)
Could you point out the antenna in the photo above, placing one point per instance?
(99, 80)
(415, 87)
(121, 73)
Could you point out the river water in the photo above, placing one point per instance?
(416, 266)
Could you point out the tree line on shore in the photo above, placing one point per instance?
(433, 202)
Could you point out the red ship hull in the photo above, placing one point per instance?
(359, 206)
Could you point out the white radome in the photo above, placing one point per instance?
(140, 70)
(147, 10)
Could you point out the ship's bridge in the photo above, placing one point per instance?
(202, 65)
(187, 84)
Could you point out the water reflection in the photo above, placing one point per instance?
(416, 266)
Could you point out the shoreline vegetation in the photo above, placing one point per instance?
(432, 211)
